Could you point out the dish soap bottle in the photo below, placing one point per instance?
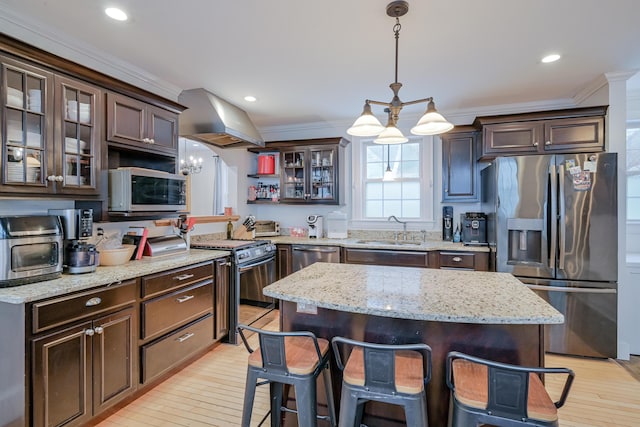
(456, 235)
(229, 230)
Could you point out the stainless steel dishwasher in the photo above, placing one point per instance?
(304, 255)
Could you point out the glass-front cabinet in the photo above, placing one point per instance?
(309, 175)
(50, 137)
(27, 112)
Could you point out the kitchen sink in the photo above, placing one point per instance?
(388, 242)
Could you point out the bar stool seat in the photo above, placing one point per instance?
(288, 358)
(488, 392)
(394, 374)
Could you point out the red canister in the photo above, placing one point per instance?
(266, 165)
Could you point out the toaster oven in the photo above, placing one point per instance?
(267, 228)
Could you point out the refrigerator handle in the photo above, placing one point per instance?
(563, 223)
(553, 220)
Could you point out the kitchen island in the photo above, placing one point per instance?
(485, 314)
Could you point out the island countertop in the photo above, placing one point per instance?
(416, 293)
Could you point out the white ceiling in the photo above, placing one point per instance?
(314, 62)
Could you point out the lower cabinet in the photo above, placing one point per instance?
(284, 261)
(222, 297)
(385, 257)
(87, 364)
(459, 260)
(176, 317)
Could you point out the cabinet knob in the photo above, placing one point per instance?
(456, 259)
(145, 139)
(152, 141)
(535, 144)
(89, 332)
(446, 190)
(59, 178)
(51, 178)
(99, 330)
(547, 143)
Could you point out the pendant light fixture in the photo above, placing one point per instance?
(388, 174)
(431, 123)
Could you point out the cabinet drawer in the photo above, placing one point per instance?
(155, 284)
(456, 260)
(162, 355)
(164, 313)
(51, 313)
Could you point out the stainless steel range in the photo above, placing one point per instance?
(253, 267)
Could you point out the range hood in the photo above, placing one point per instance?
(212, 120)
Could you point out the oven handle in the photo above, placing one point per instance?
(244, 268)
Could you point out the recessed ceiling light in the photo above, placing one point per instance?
(250, 98)
(115, 13)
(551, 58)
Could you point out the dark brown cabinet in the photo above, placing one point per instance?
(87, 364)
(135, 124)
(284, 255)
(385, 257)
(52, 140)
(562, 131)
(460, 176)
(459, 260)
(176, 317)
(222, 295)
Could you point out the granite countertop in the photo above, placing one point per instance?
(103, 276)
(373, 243)
(416, 293)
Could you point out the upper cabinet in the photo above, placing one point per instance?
(460, 175)
(139, 125)
(51, 140)
(309, 170)
(561, 131)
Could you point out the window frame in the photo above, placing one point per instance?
(427, 174)
(631, 124)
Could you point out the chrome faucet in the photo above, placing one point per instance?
(404, 227)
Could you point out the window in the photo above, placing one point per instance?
(633, 171)
(409, 195)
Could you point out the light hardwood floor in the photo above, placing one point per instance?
(209, 392)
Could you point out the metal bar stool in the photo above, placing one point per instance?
(488, 392)
(292, 358)
(395, 374)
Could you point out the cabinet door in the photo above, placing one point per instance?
(27, 115)
(114, 359)
(459, 167)
(222, 296)
(284, 261)
(512, 138)
(163, 130)
(77, 129)
(323, 179)
(294, 187)
(61, 366)
(574, 135)
(126, 120)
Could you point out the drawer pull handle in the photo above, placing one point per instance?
(184, 298)
(99, 330)
(93, 302)
(185, 337)
(184, 277)
(456, 259)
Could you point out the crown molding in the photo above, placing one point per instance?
(45, 38)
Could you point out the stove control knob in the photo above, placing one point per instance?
(270, 248)
(243, 255)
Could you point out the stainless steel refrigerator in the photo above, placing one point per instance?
(552, 221)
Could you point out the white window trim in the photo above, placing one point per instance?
(428, 203)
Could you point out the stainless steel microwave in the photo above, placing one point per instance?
(146, 190)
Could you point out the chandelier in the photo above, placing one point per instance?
(431, 123)
(191, 166)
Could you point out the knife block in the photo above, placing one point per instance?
(243, 234)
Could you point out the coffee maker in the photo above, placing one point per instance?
(77, 224)
(316, 226)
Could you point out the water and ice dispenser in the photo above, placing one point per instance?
(525, 242)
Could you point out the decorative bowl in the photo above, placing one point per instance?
(117, 256)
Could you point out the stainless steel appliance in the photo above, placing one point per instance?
(146, 190)
(253, 263)
(79, 255)
(316, 226)
(30, 249)
(553, 223)
(265, 228)
(474, 228)
(165, 245)
(447, 223)
(304, 255)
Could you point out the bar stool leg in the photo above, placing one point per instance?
(306, 403)
(328, 389)
(249, 394)
(348, 408)
(416, 412)
(275, 393)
